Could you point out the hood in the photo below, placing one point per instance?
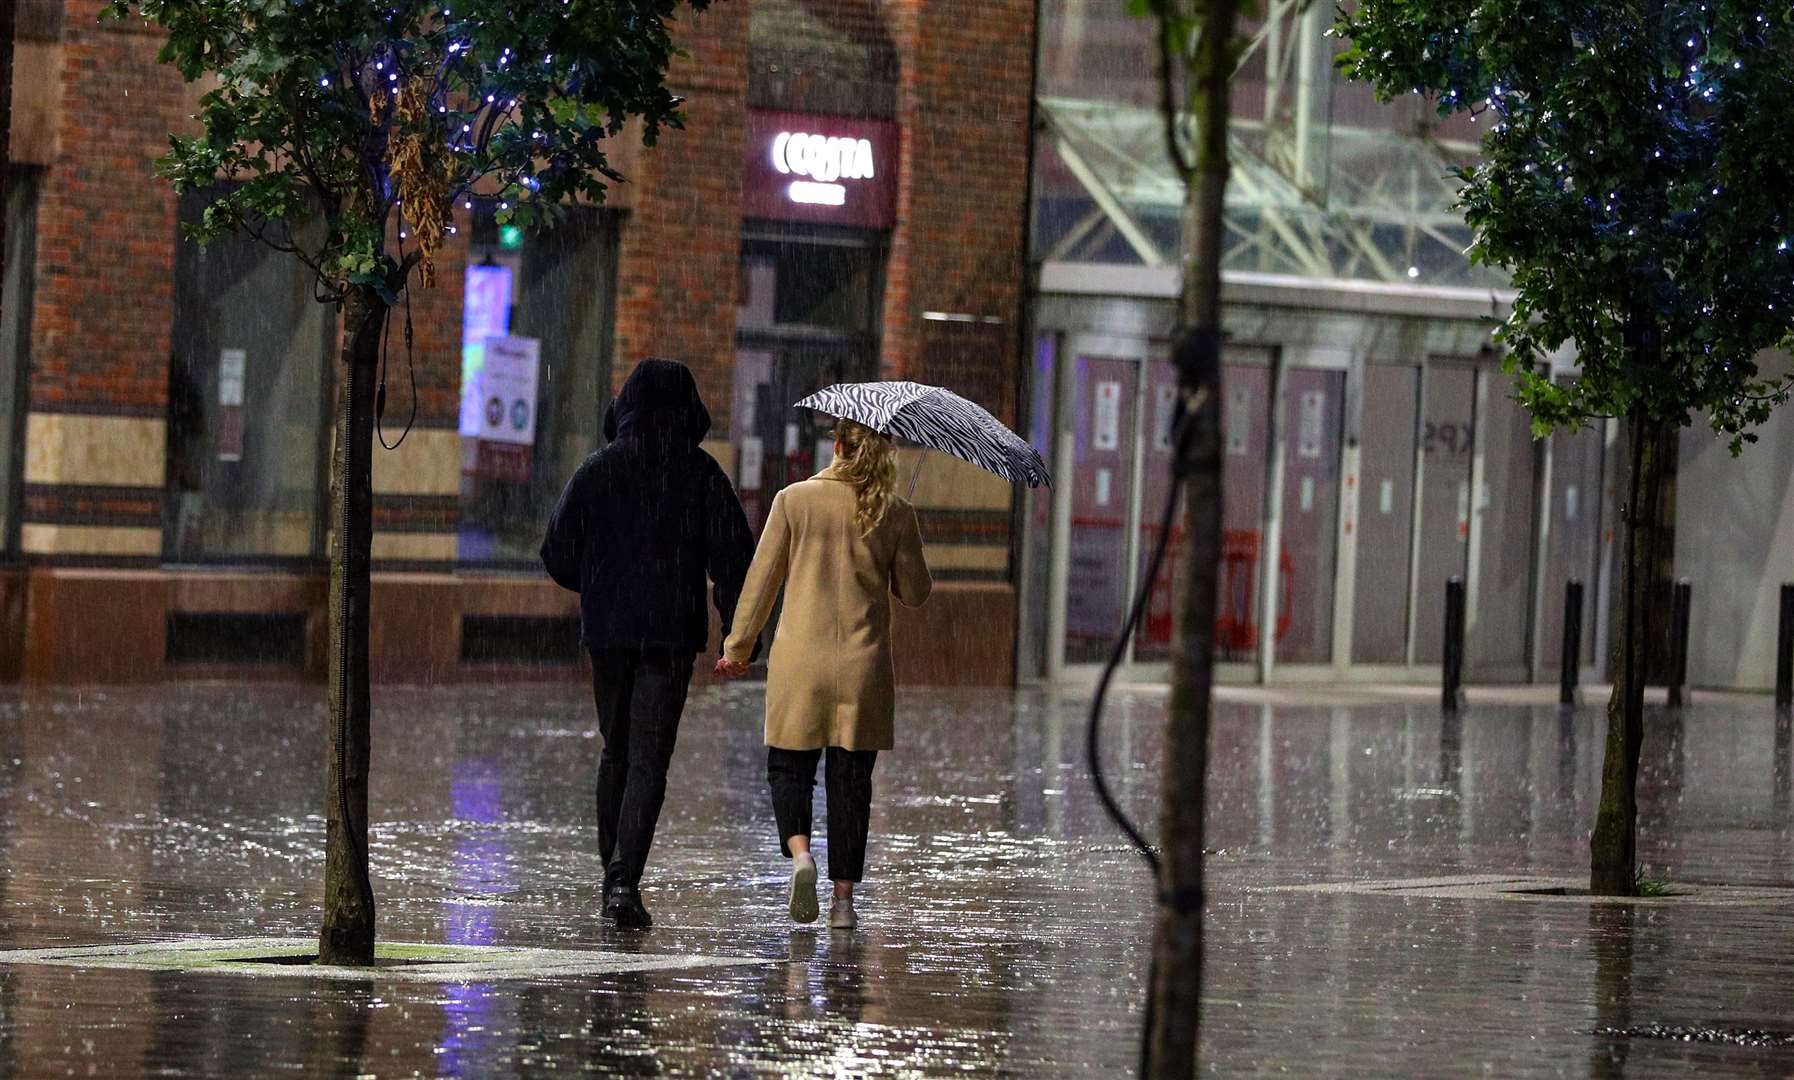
(659, 396)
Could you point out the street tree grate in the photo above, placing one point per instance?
(397, 961)
(1535, 889)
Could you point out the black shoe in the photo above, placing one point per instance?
(623, 903)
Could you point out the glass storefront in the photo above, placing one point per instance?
(1372, 447)
(819, 199)
(1100, 476)
(536, 324)
(1388, 466)
(1354, 488)
(247, 416)
(1308, 521)
(1573, 521)
(808, 304)
(15, 341)
(250, 386)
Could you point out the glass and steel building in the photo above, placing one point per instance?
(1373, 450)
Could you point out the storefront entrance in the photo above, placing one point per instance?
(1354, 487)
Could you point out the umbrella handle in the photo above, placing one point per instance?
(916, 474)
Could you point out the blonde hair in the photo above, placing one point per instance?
(868, 461)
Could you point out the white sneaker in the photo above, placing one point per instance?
(803, 889)
(841, 915)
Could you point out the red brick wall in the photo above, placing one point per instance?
(681, 243)
(436, 351)
(962, 202)
(107, 225)
(103, 309)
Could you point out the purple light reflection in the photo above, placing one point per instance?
(470, 1012)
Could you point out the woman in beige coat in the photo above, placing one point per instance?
(841, 545)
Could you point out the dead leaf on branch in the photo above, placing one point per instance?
(417, 155)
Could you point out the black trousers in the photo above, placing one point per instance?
(792, 774)
(640, 694)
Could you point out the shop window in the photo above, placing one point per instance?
(535, 373)
(15, 341)
(809, 301)
(247, 417)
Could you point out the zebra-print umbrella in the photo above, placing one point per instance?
(938, 419)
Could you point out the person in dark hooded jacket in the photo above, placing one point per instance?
(641, 525)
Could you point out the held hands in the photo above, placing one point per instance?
(729, 669)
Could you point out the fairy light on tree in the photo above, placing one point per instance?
(375, 118)
(1668, 290)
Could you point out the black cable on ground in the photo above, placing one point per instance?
(1117, 655)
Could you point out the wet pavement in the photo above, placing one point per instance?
(1004, 924)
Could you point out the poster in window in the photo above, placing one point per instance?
(1238, 423)
(1164, 417)
(1311, 424)
(485, 313)
(1107, 435)
(232, 364)
(508, 387)
(753, 462)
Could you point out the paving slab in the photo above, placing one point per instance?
(1363, 917)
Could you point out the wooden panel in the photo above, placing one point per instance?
(414, 634)
(72, 625)
(12, 623)
(963, 636)
(95, 626)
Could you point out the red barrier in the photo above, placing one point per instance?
(1236, 614)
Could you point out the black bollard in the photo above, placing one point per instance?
(1572, 654)
(1452, 688)
(1678, 643)
(1784, 652)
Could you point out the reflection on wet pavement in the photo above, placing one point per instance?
(1004, 924)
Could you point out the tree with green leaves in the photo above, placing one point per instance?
(1198, 52)
(368, 120)
(1633, 177)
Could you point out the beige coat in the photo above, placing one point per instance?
(831, 680)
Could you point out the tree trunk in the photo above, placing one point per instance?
(1174, 1010)
(348, 932)
(1613, 849)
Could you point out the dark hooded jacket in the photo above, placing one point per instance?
(645, 520)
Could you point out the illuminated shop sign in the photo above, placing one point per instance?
(827, 160)
(804, 167)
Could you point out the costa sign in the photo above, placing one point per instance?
(818, 168)
(823, 157)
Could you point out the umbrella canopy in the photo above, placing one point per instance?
(938, 419)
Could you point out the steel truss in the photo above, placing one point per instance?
(1308, 197)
